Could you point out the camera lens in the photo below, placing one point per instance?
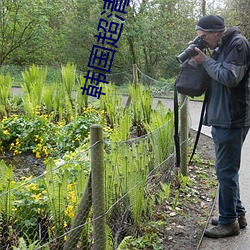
(187, 53)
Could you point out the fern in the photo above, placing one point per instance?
(33, 86)
(68, 74)
(5, 90)
(6, 184)
(56, 185)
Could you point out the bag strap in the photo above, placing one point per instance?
(176, 126)
(199, 127)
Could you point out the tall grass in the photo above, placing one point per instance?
(6, 184)
(5, 90)
(33, 85)
(161, 128)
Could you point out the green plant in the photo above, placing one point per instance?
(48, 98)
(30, 208)
(126, 173)
(161, 128)
(5, 89)
(147, 241)
(113, 109)
(81, 101)
(33, 86)
(184, 181)
(6, 196)
(141, 104)
(164, 191)
(23, 246)
(176, 199)
(68, 74)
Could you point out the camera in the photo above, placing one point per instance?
(190, 51)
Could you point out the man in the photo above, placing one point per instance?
(228, 112)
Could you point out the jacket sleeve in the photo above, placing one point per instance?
(234, 66)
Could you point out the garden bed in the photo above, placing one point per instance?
(186, 224)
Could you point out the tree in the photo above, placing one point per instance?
(237, 13)
(21, 21)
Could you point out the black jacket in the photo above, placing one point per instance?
(229, 90)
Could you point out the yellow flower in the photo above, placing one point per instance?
(45, 151)
(31, 187)
(6, 132)
(69, 211)
(38, 155)
(73, 199)
(37, 196)
(14, 209)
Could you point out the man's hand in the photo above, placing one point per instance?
(200, 58)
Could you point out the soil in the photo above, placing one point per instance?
(25, 164)
(187, 222)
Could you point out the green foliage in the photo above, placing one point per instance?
(5, 89)
(29, 245)
(55, 196)
(81, 100)
(30, 206)
(43, 32)
(126, 172)
(141, 104)
(113, 108)
(68, 73)
(147, 241)
(33, 85)
(23, 25)
(164, 191)
(56, 187)
(43, 137)
(6, 184)
(48, 98)
(161, 126)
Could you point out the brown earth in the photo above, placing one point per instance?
(186, 223)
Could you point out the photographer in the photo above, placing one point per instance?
(228, 112)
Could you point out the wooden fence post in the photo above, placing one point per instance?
(98, 194)
(80, 218)
(184, 135)
(135, 74)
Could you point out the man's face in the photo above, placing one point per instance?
(211, 38)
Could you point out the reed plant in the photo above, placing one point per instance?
(56, 187)
(68, 75)
(34, 80)
(48, 97)
(5, 90)
(81, 101)
(141, 105)
(126, 172)
(6, 184)
(112, 108)
(161, 130)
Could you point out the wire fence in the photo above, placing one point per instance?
(55, 210)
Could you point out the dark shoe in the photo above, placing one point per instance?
(241, 219)
(221, 231)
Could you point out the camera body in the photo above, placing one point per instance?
(190, 51)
